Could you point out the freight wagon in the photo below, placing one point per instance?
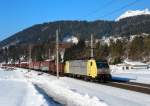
(44, 66)
(31, 65)
(47, 66)
(24, 65)
(52, 68)
(36, 65)
(87, 69)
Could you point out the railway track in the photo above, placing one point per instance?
(132, 86)
(137, 87)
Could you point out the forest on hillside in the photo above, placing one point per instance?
(115, 52)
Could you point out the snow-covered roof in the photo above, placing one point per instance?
(132, 13)
(71, 39)
(49, 60)
(148, 63)
(122, 64)
(24, 62)
(134, 62)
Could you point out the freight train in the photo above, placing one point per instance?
(87, 69)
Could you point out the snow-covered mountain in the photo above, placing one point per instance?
(71, 39)
(132, 13)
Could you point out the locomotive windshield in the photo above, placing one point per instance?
(102, 65)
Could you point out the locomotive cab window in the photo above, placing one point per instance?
(91, 63)
(102, 65)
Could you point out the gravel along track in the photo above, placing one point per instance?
(133, 86)
(138, 87)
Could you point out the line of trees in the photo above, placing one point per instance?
(115, 52)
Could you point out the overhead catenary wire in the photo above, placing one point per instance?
(111, 12)
(119, 9)
(98, 9)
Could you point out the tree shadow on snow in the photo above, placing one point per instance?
(48, 99)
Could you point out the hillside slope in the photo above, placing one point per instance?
(81, 29)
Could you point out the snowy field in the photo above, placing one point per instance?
(134, 75)
(15, 90)
(19, 85)
(23, 88)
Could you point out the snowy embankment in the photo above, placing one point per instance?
(134, 75)
(73, 92)
(15, 90)
(68, 97)
(61, 92)
(55, 88)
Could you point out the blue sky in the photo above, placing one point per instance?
(16, 15)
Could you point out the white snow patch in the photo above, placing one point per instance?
(61, 92)
(19, 93)
(134, 62)
(73, 92)
(71, 39)
(64, 95)
(135, 75)
(132, 13)
(57, 89)
(16, 90)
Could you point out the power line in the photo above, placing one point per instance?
(98, 9)
(117, 10)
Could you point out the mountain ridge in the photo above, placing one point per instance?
(82, 29)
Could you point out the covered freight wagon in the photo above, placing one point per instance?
(24, 65)
(36, 65)
(52, 68)
(31, 65)
(44, 66)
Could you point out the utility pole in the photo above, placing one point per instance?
(30, 51)
(57, 55)
(92, 46)
(49, 53)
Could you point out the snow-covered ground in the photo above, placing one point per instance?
(15, 90)
(19, 85)
(61, 91)
(134, 75)
(74, 92)
(67, 91)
